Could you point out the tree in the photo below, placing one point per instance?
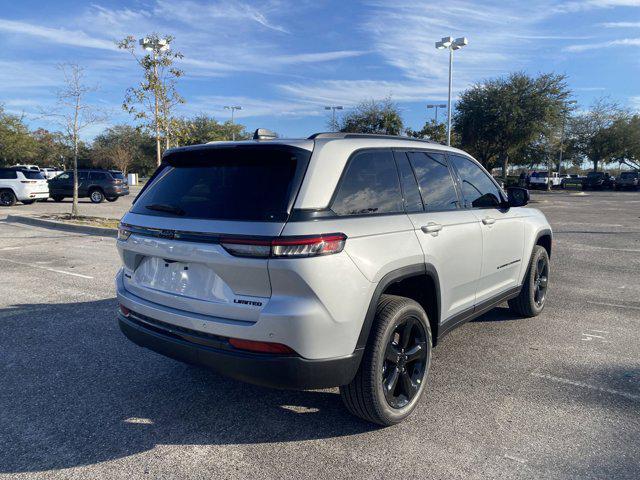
(431, 131)
(75, 115)
(592, 134)
(51, 148)
(16, 143)
(204, 128)
(120, 147)
(626, 131)
(382, 117)
(500, 117)
(155, 98)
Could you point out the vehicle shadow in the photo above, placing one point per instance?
(75, 391)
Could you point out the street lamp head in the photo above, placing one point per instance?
(327, 108)
(462, 41)
(440, 46)
(339, 107)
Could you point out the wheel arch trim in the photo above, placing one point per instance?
(397, 275)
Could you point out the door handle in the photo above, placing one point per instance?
(432, 228)
(488, 220)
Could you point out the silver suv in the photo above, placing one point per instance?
(336, 260)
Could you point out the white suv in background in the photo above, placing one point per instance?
(18, 185)
(339, 260)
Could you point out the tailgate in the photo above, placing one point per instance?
(194, 272)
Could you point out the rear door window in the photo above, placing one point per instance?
(8, 174)
(410, 191)
(369, 186)
(237, 183)
(436, 184)
(98, 176)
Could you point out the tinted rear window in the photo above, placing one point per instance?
(32, 175)
(8, 174)
(629, 175)
(370, 185)
(118, 175)
(99, 176)
(241, 183)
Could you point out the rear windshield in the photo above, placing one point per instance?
(118, 175)
(32, 175)
(540, 175)
(255, 183)
(629, 175)
(595, 174)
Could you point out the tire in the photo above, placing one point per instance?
(96, 196)
(531, 299)
(27, 202)
(7, 198)
(57, 198)
(400, 325)
(112, 199)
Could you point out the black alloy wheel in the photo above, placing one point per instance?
(7, 198)
(541, 280)
(405, 362)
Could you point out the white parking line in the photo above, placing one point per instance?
(566, 381)
(46, 268)
(617, 305)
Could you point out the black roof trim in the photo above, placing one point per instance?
(367, 135)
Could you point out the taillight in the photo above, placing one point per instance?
(325, 244)
(124, 310)
(260, 347)
(123, 232)
(285, 247)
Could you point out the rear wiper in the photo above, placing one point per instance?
(163, 207)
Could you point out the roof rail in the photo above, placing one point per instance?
(367, 135)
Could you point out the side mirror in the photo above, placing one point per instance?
(518, 197)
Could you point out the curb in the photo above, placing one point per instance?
(67, 227)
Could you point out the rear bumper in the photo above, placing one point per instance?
(276, 371)
(34, 195)
(117, 191)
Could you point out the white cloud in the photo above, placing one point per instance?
(351, 92)
(630, 42)
(58, 35)
(621, 24)
(586, 5)
(201, 14)
(251, 107)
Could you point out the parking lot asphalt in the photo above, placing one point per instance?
(557, 396)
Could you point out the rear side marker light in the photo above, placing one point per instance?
(260, 347)
(285, 247)
(124, 310)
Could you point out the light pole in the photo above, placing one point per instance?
(451, 44)
(233, 108)
(155, 46)
(436, 106)
(333, 114)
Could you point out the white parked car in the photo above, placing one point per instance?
(337, 260)
(21, 185)
(27, 167)
(50, 172)
(542, 179)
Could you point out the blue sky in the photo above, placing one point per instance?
(284, 60)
